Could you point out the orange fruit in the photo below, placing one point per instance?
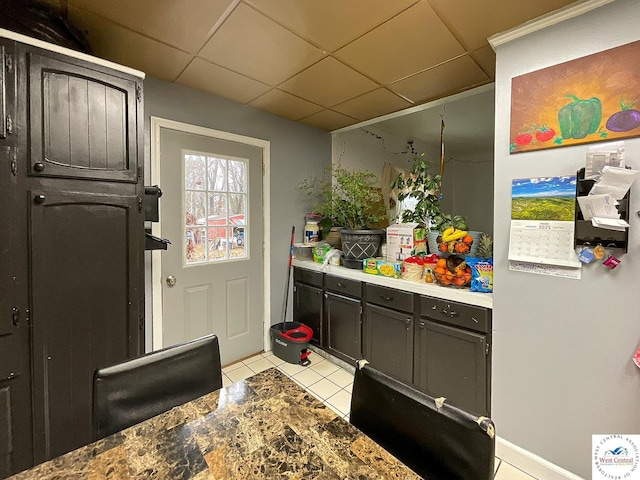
(440, 270)
(442, 262)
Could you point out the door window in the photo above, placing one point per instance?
(215, 208)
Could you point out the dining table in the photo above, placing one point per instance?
(264, 427)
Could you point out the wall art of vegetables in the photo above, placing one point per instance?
(589, 99)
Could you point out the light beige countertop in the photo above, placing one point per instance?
(462, 295)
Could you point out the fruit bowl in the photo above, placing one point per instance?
(455, 242)
(452, 271)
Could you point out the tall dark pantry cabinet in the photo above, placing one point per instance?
(71, 242)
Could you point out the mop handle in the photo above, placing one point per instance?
(286, 291)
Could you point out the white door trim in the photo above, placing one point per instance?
(156, 228)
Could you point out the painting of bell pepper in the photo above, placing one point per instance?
(589, 99)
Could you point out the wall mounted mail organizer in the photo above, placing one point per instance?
(586, 234)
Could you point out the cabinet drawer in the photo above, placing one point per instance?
(352, 288)
(458, 314)
(308, 276)
(390, 297)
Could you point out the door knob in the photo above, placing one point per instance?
(39, 199)
(171, 280)
(38, 167)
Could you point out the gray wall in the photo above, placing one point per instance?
(297, 151)
(562, 348)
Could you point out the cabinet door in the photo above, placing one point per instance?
(388, 341)
(307, 309)
(86, 260)
(82, 121)
(452, 363)
(343, 326)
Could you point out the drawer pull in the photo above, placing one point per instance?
(386, 299)
(408, 321)
(340, 284)
(474, 319)
(451, 313)
(422, 324)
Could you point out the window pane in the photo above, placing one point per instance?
(217, 175)
(194, 172)
(238, 243)
(218, 208)
(237, 208)
(237, 178)
(194, 206)
(195, 249)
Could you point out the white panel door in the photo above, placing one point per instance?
(211, 211)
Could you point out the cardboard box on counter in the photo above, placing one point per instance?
(381, 266)
(405, 240)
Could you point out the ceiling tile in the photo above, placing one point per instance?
(372, 104)
(410, 42)
(328, 82)
(330, 24)
(211, 78)
(185, 24)
(328, 120)
(486, 58)
(251, 44)
(285, 105)
(446, 79)
(473, 22)
(115, 43)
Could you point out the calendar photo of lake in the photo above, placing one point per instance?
(544, 198)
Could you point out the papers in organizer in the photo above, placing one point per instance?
(614, 180)
(602, 211)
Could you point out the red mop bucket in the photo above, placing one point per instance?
(290, 342)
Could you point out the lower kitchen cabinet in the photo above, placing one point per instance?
(441, 347)
(388, 331)
(452, 354)
(308, 301)
(343, 318)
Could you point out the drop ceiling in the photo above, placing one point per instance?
(325, 63)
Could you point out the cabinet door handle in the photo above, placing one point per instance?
(15, 316)
(326, 295)
(38, 167)
(422, 324)
(408, 321)
(39, 199)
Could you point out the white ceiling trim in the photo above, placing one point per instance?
(566, 13)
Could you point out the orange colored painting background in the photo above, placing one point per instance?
(537, 97)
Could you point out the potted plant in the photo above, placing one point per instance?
(352, 200)
(424, 188)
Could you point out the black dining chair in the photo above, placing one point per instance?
(437, 441)
(143, 387)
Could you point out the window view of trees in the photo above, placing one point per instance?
(215, 200)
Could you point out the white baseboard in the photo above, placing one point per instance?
(531, 463)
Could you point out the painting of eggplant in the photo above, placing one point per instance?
(589, 99)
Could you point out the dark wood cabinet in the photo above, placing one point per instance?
(343, 318)
(452, 356)
(71, 244)
(439, 346)
(308, 301)
(388, 331)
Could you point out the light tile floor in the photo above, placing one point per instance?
(331, 384)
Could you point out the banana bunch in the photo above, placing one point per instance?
(451, 234)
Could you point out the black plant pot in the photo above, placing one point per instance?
(358, 245)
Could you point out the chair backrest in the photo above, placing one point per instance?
(438, 443)
(140, 388)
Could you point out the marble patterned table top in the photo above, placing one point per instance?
(264, 427)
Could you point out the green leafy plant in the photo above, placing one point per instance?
(346, 198)
(424, 187)
(442, 221)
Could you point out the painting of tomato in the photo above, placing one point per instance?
(545, 134)
(524, 139)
